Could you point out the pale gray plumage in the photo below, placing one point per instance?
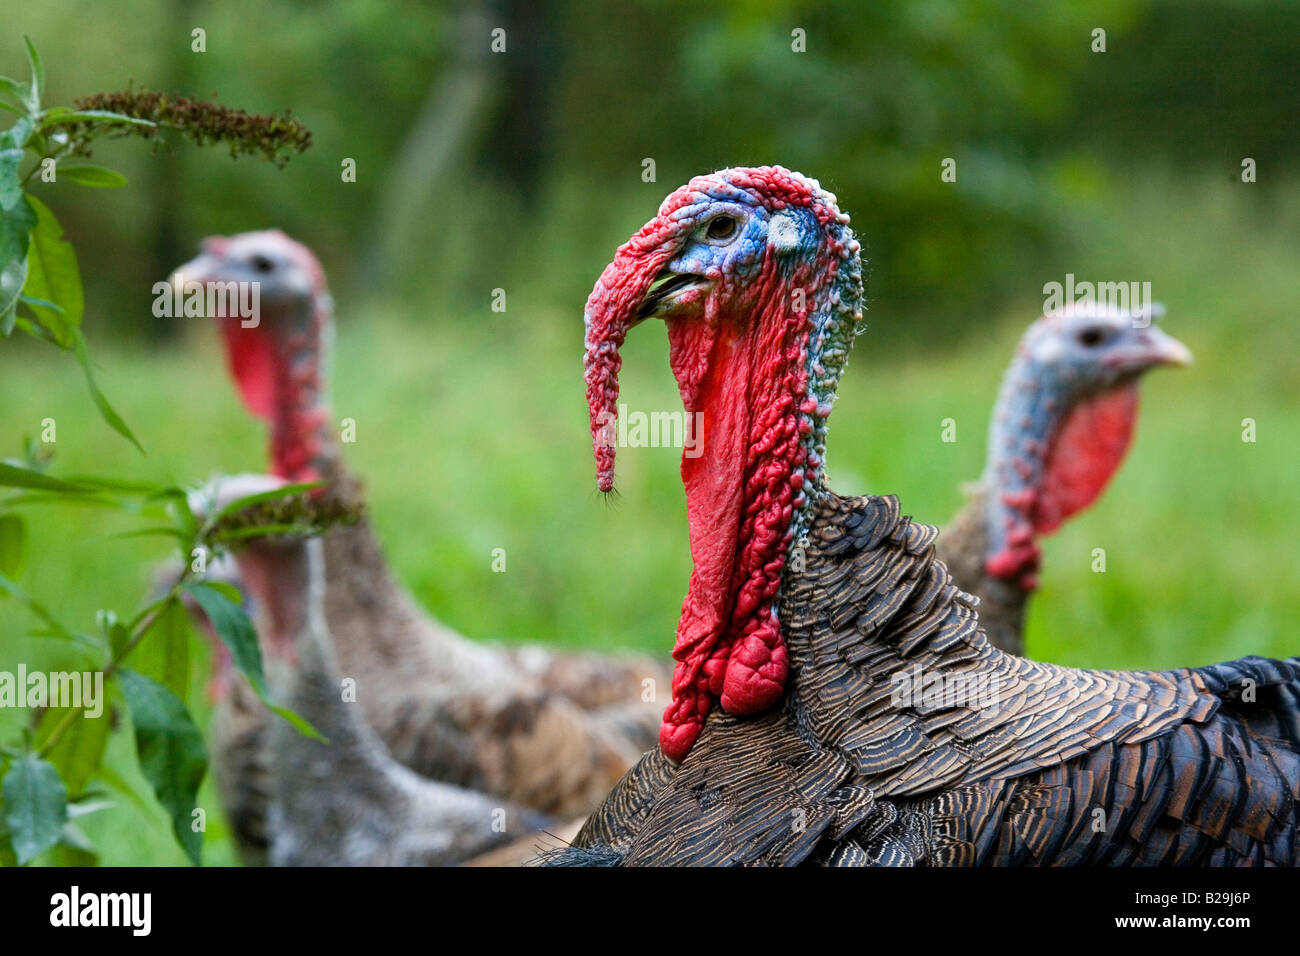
(347, 802)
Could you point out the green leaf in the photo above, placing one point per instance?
(162, 531)
(228, 589)
(45, 303)
(85, 498)
(16, 221)
(77, 753)
(18, 92)
(38, 75)
(171, 753)
(42, 612)
(86, 174)
(164, 653)
(235, 630)
(13, 541)
(14, 139)
(13, 476)
(298, 723)
(233, 627)
(52, 274)
(36, 806)
(115, 484)
(105, 409)
(19, 216)
(119, 636)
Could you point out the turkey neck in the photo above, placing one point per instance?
(963, 547)
(760, 384)
(278, 367)
(303, 445)
(757, 345)
(314, 691)
(276, 572)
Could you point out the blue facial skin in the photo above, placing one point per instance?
(738, 256)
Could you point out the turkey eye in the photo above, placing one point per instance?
(722, 227)
(261, 264)
(1091, 336)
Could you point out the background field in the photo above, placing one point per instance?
(471, 424)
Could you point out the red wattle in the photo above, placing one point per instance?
(1085, 453)
(251, 356)
(746, 376)
(273, 391)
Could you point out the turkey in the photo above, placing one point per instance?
(1061, 425)
(345, 801)
(548, 731)
(835, 700)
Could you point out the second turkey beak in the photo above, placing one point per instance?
(1160, 348)
(202, 268)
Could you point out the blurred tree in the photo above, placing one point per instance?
(167, 198)
(477, 169)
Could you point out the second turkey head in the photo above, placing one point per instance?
(757, 277)
(276, 356)
(1063, 422)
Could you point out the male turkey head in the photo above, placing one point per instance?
(757, 277)
(1063, 422)
(276, 357)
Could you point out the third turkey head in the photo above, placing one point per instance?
(275, 355)
(757, 277)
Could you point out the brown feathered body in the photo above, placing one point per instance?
(1005, 762)
(449, 709)
(241, 768)
(468, 713)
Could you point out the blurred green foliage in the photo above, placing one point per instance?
(478, 170)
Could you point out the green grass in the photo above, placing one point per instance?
(472, 436)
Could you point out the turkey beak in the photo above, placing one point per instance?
(662, 291)
(203, 268)
(1160, 348)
